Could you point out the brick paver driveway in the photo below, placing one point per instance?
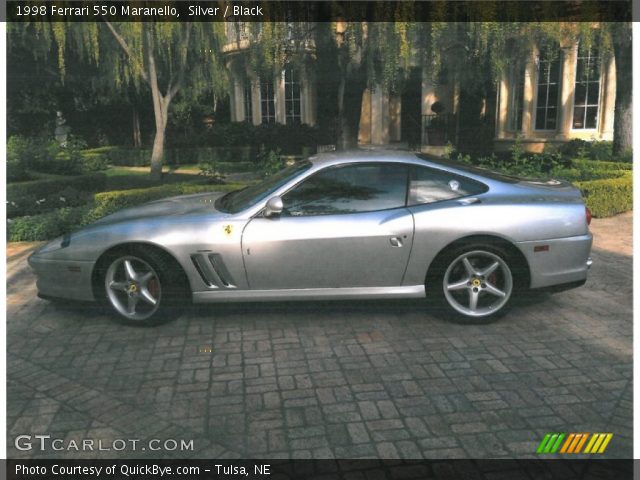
(348, 379)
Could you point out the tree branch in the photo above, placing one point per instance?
(125, 47)
(184, 51)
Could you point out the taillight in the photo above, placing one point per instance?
(587, 212)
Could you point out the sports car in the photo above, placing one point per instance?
(350, 225)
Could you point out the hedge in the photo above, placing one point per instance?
(133, 157)
(106, 203)
(39, 196)
(606, 197)
(586, 170)
(53, 224)
(90, 183)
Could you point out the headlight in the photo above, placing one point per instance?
(57, 244)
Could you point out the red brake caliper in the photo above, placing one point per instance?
(154, 287)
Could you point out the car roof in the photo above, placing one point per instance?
(406, 156)
(363, 155)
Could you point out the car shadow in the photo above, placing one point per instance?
(296, 309)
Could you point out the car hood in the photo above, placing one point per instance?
(167, 207)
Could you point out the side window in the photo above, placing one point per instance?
(349, 189)
(429, 185)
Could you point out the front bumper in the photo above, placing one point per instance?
(558, 261)
(63, 278)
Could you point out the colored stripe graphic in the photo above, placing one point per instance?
(574, 443)
(598, 442)
(543, 443)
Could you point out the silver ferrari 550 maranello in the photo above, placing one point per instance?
(353, 225)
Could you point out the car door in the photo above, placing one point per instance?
(344, 226)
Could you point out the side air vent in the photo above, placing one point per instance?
(202, 269)
(221, 270)
(214, 273)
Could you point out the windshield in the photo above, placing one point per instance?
(238, 200)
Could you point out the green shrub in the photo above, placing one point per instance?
(211, 172)
(601, 165)
(606, 197)
(46, 226)
(23, 154)
(44, 155)
(593, 150)
(39, 196)
(271, 162)
(290, 139)
(106, 203)
(92, 182)
(58, 222)
(94, 161)
(133, 157)
(605, 186)
(63, 159)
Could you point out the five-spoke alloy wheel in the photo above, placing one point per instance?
(475, 283)
(142, 286)
(133, 288)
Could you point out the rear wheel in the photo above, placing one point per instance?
(141, 287)
(474, 283)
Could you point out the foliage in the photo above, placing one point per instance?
(528, 166)
(41, 154)
(606, 197)
(93, 161)
(25, 154)
(47, 225)
(607, 187)
(64, 220)
(166, 56)
(289, 138)
(271, 162)
(38, 196)
(106, 203)
(19, 156)
(594, 150)
(211, 172)
(135, 157)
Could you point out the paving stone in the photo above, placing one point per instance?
(341, 379)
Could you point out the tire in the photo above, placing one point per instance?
(142, 286)
(473, 283)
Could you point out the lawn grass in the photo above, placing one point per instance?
(126, 178)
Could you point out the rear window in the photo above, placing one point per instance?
(430, 185)
(490, 174)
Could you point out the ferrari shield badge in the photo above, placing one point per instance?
(228, 230)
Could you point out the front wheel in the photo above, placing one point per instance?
(139, 287)
(475, 284)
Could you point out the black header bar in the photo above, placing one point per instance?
(320, 11)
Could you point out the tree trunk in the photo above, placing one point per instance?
(341, 142)
(161, 109)
(623, 115)
(157, 155)
(137, 136)
(350, 91)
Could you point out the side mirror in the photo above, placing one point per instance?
(274, 207)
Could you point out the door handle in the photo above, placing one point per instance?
(468, 201)
(395, 241)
